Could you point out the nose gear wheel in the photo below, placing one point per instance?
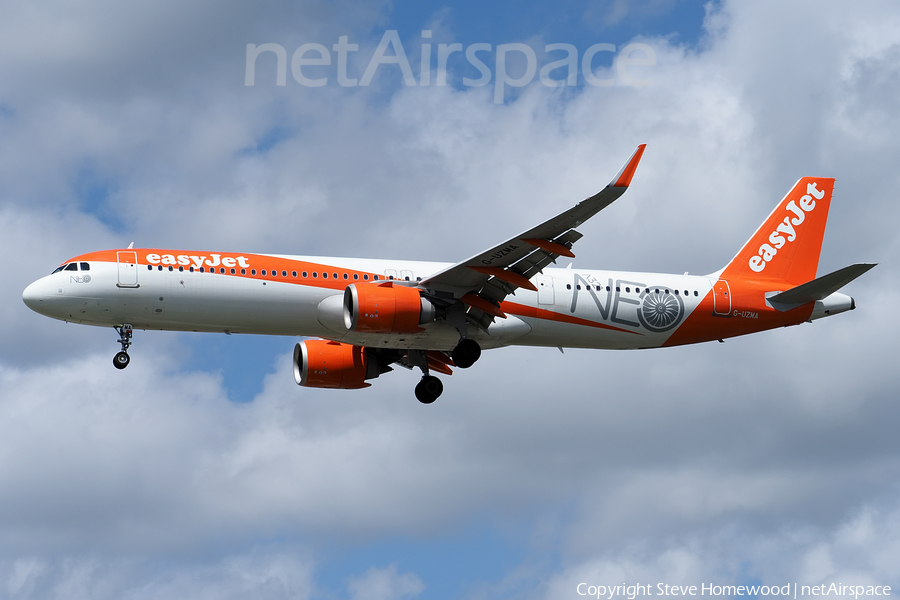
(121, 359)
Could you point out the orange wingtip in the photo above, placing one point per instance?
(627, 172)
(506, 275)
(483, 305)
(551, 247)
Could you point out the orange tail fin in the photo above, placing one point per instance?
(786, 246)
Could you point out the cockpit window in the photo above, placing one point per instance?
(85, 266)
(72, 267)
(58, 269)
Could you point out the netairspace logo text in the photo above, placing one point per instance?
(558, 73)
(790, 590)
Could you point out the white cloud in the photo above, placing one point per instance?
(857, 551)
(384, 584)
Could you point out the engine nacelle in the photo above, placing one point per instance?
(385, 308)
(324, 364)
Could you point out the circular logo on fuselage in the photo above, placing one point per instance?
(661, 309)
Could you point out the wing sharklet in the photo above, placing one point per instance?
(623, 178)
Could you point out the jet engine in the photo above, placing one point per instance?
(385, 308)
(325, 364)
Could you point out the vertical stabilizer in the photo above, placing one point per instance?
(786, 246)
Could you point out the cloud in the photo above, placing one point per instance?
(384, 584)
(856, 551)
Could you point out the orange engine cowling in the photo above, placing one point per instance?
(324, 364)
(385, 308)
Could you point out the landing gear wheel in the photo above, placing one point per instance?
(466, 353)
(428, 390)
(121, 360)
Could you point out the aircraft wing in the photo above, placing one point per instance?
(484, 280)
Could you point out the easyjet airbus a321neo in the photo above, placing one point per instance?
(368, 315)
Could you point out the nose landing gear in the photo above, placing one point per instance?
(121, 359)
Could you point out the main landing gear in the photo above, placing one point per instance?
(121, 359)
(465, 354)
(430, 387)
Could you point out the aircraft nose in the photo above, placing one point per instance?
(33, 296)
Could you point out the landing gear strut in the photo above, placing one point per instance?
(430, 387)
(121, 359)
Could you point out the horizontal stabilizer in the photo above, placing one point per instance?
(821, 287)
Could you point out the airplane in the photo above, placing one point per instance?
(365, 316)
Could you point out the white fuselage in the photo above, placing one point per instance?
(572, 307)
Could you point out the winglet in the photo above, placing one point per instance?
(623, 178)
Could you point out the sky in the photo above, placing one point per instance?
(204, 471)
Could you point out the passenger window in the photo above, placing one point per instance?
(284, 273)
(202, 270)
(263, 272)
(376, 278)
(315, 275)
(695, 292)
(628, 290)
(243, 271)
(356, 276)
(149, 268)
(568, 286)
(305, 274)
(324, 275)
(366, 277)
(85, 266)
(346, 276)
(181, 268)
(253, 271)
(617, 289)
(294, 274)
(578, 287)
(334, 275)
(233, 271)
(221, 270)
